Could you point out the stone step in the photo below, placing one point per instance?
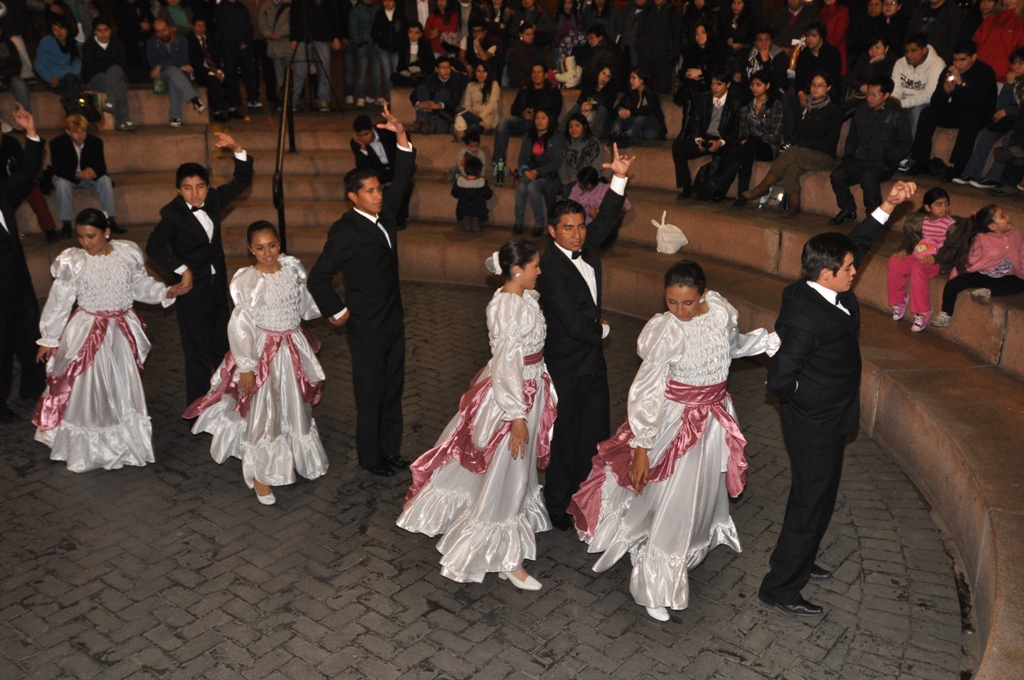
(144, 107)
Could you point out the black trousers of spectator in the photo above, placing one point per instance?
(215, 97)
(266, 64)
(868, 174)
(233, 62)
(1005, 285)
(659, 67)
(203, 323)
(19, 330)
(378, 378)
(683, 149)
(968, 123)
(755, 149)
(1014, 174)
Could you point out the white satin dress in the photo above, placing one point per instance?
(105, 422)
(672, 525)
(278, 437)
(489, 519)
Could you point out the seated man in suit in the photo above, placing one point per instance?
(437, 97)
(415, 59)
(78, 163)
(376, 150)
(208, 70)
(187, 244)
(714, 123)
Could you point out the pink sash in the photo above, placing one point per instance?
(460, 444)
(616, 454)
(310, 389)
(50, 409)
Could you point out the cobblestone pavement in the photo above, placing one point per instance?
(174, 570)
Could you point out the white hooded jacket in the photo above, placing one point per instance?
(915, 84)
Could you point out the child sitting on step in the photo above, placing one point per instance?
(472, 193)
(589, 191)
(988, 255)
(925, 253)
(470, 149)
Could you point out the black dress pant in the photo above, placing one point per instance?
(868, 174)
(203, 315)
(968, 123)
(754, 149)
(582, 423)
(683, 149)
(816, 468)
(378, 377)
(19, 330)
(215, 97)
(1004, 285)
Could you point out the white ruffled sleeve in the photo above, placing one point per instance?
(242, 325)
(504, 322)
(659, 343)
(307, 307)
(759, 341)
(144, 287)
(65, 270)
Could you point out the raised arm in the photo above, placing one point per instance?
(22, 178)
(867, 232)
(405, 161)
(610, 212)
(243, 170)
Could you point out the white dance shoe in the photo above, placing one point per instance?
(658, 613)
(266, 500)
(530, 583)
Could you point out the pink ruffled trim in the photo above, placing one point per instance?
(310, 389)
(50, 409)
(460, 444)
(617, 455)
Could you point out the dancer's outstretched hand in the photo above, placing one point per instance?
(517, 438)
(640, 470)
(226, 141)
(43, 355)
(620, 164)
(901, 191)
(395, 126)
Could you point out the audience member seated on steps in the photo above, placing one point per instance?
(470, 149)
(965, 99)
(604, 54)
(540, 157)
(59, 61)
(877, 62)
(699, 62)
(760, 135)
(103, 62)
(415, 59)
(168, 59)
(582, 150)
(737, 29)
(208, 71)
(10, 74)
(235, 36)
(477, 48)
(376, 149)
(817, 56)
(867, 23)
(1000, 127)
(915, 77)
(713, 125)
(538, 94)
(437, 97)
(321, 23)
(789, 22)
(814, 147)
(479, 110)
(638, 113)
(177, 16)
(442, 28)
(878, 139)
(472, 193)
(531, 14)
(925, 253)
(78, 163)
(596, 102)
(988, 256)
(765, 55)
(12, 157)
(894, 25)
(521, 58)
(589, 192)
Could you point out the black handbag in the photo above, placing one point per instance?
(1004, 124)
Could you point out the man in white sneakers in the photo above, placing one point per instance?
(915, 77)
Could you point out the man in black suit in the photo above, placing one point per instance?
(19, 310)
(187, 243)
(79, 163)
(415, 59)
(377, 150)
(208, 70)
(363, 245)
(816, 376)
(570, 293)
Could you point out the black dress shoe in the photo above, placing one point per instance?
(739, 202)
(381, 470)
(820, 573)
(843, 216)
(52, 236)
(398, 463)
(801, 608)
(686, 193)
(562, 521)
(6, 414)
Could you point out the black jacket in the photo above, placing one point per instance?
(573, 344)
(606, 54)
(547, 97)
(472, 196)
(819, 129)
(728, 126)
(820, 351)
(179, 238)
(234, 26)
(649, 105)
(425, 57)
(390, 36)
(371, 161)
(520, 61)
(808, 65)
(660, 32)
(95, 59)
(943, 29)
(198, 59)
(977, 94)
(15, 280)
(323, 21)
(879, 136)
(357, 248)
(456, 86)
(65, 160)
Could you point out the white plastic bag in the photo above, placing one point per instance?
(670, 237)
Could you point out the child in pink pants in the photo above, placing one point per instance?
(921, 257)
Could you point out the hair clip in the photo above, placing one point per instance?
(492, 263)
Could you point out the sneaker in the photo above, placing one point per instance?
(349, 99)
(325, 107)
(255, 105)
(198, 105)
(983, 184)
(1013, 155)
(964, 180)
(360, 102)
(904, 165)
(108, 106)
(127, 126)
(982, 295)
(899, 310)
(175, 122)
(921, 322)
(941, 321)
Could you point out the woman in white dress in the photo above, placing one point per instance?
(659, 486)
(260, 404)
(478, 486)
(93, 412)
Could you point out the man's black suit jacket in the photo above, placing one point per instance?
(356, 247)
(371, 161)
(179, 238)
(820, 350)
(196, 57)
(728, 124)
(15, 280)
(573, 345)
(65, 160)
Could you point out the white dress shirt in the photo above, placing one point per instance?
(378, 148)
(205, 220)
(422, 11)
(3, 221)
(829, 295)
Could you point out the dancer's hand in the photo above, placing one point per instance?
(43, 355)
(640, 470)
(620, 164)
(340, 321)
(174, 291)
(247, 383)
(901, 191)
(395, 126)
(24, 119)
(226, 141)
(517, 438)
(186, 282)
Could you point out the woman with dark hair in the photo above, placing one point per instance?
(478, 485)
(260, 404)
(865, 29)
(582, 150)
(59, 61)
(760, 137)
(540, 158)
(479, 111)
(660, 486)
(596, 101)
(638, 113)
(93, 413)
(736, 31)
(442, 28)
(699, 61)
(876, 62)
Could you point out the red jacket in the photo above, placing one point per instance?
(836, 18)
(999, 35)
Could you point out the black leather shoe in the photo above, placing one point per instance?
(843, 216)
(562, 521)
(686, 193)
(739, 202)
(381, 470)
(801, 608)
(53, 236)
(820, 573)
(398, 463)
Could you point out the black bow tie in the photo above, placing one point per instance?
(576, 255)
(195, 209)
